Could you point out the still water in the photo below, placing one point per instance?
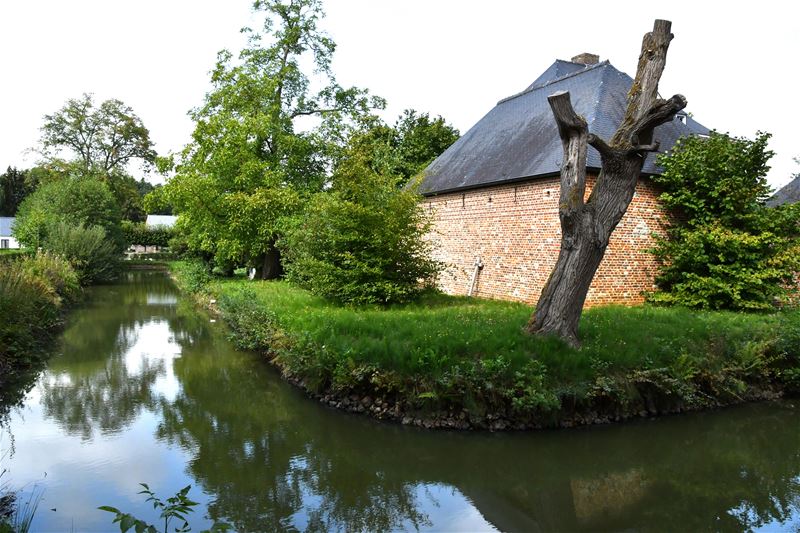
(143, 387)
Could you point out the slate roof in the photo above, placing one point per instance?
(5, 226)
(788, 194)
(518, 139)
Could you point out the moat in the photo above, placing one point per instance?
(145, 387)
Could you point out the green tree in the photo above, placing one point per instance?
(361, 241)
(80, 201)
(421, 140)
(103, 138)
(725, 249)
(99, 141)
(249, 164)
(15, 186)
(405, 149)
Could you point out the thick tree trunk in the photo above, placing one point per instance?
(270, 267)
(587, 226)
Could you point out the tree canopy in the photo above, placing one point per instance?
(15, 186)
(250, 163)
(103, 138)
(363, 239)
(725, 248)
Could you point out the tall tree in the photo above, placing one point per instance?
(15, 186)
(586, 226)
(249, 164)
(402, 150)
(420, 140)
(103, 138)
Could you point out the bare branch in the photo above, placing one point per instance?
(600, 145)
(573, 131)
(661, 112)
(644, 91)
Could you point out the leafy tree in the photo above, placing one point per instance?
(725, 249)
(362, 241)
(77, 202)
(405, 149)
(15, 186)
(421, 140)
(104, 138)
(154, 201)
(249, 164)
(94, 257)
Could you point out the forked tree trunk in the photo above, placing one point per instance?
(587, 226)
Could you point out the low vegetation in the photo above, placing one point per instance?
(460, 362)
(34, 290)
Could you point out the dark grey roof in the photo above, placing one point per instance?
(5, 226)
(557, 70)
(788, 194)
(518, 139)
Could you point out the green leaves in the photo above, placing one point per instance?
(105, 138)
(725, 248)
(176, 507)
(264, 140)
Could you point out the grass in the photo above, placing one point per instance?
(450, 352)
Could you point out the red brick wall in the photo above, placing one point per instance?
(515, 231)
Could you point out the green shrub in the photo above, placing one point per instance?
(55, 271)
(29, 308)
(724, 249)
(138, 233)
(91, 254)
(361, 242)
(83, 201)
(192, 276)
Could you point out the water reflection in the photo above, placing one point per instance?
(145, 389)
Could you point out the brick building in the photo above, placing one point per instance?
(493, 194)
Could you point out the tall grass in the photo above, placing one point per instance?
(33, 292)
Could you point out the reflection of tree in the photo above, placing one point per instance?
(259, 450)
(89, 386)
(271, 459)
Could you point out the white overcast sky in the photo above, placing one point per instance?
(736, 62)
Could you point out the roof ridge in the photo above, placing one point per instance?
(564, 77)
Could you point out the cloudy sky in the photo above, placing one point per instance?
(736, 62)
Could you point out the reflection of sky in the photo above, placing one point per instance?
(79, 475)
(453, 511)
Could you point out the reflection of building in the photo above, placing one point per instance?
(494, 193)
(6, 239)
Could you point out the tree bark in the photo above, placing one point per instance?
(270, 267)
(586, 226)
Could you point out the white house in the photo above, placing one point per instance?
(6, 239)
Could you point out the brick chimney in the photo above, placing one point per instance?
(586, 59)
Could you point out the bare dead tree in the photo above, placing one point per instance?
(586, 226)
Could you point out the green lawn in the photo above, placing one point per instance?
(445, 347)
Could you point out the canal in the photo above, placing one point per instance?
(145, 388)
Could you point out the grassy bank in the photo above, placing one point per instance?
(458, 362)
(34, 291)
